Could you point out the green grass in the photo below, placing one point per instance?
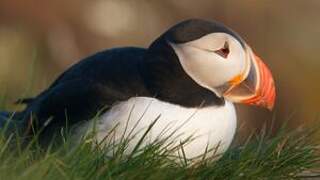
(284, 155)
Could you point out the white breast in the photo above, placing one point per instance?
(211, 126)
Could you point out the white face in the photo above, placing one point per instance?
(213, 60)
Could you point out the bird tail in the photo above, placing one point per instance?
(4, 118)
(9, 121)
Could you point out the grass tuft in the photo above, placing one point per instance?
(285, 155)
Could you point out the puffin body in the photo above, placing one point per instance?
(210, 129)
(187, 79)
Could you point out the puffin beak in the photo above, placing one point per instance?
(253, 87)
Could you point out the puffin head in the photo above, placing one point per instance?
(216, 58)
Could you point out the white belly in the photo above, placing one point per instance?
(211, 126)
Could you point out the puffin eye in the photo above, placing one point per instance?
(224, 51)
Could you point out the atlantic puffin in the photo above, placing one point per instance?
(187, 79)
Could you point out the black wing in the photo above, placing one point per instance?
(95, 83)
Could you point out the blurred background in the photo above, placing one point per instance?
(40, 39)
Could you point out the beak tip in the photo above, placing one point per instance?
(271, 98)
(267, 87)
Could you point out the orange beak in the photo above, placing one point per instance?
(255, 87)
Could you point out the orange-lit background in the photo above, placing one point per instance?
(40, 39)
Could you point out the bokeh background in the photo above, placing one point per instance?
(40, 39)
